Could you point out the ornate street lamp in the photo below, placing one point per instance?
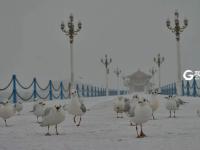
(117, 71)
(177, 30)
(106, 62)
(159, 60)
(153, 71)
(71, 32)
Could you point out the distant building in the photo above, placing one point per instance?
(138, 82)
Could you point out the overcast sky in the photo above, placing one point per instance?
(132, 32)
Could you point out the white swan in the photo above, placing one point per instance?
(171, 105)
(133, 103)
(76, 107)
(6, 111)
(154, 102)
(38, 109)
(52, 116)
(118, 106)
(141, 115)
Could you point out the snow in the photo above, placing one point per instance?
(101, 130)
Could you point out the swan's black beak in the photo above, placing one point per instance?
(58, 107)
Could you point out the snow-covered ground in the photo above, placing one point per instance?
(101, 130)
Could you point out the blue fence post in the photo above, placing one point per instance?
(188, 88)
(91, 91)
(175, 90)
(194, 87)
(168, 89)
(34, 89)
(171, 89)
(165, 90)
(183, 93)
(61, 90)
(99, 91)
(77, 88)
(83, 90)
(87, 91)
(50, 90)
(95, 91)
(14, 89)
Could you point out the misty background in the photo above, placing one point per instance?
(131, 32)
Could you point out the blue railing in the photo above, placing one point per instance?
(189, 88)
(51, 92)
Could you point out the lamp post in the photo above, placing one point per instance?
(106, 62)
(71, 32)
(153, 71)
(117, 71)
(177, 30)
(159, 60)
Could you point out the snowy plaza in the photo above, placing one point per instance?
(101, 129)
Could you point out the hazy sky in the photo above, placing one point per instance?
(132, 32)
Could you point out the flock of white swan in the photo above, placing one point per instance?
(138, 109)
